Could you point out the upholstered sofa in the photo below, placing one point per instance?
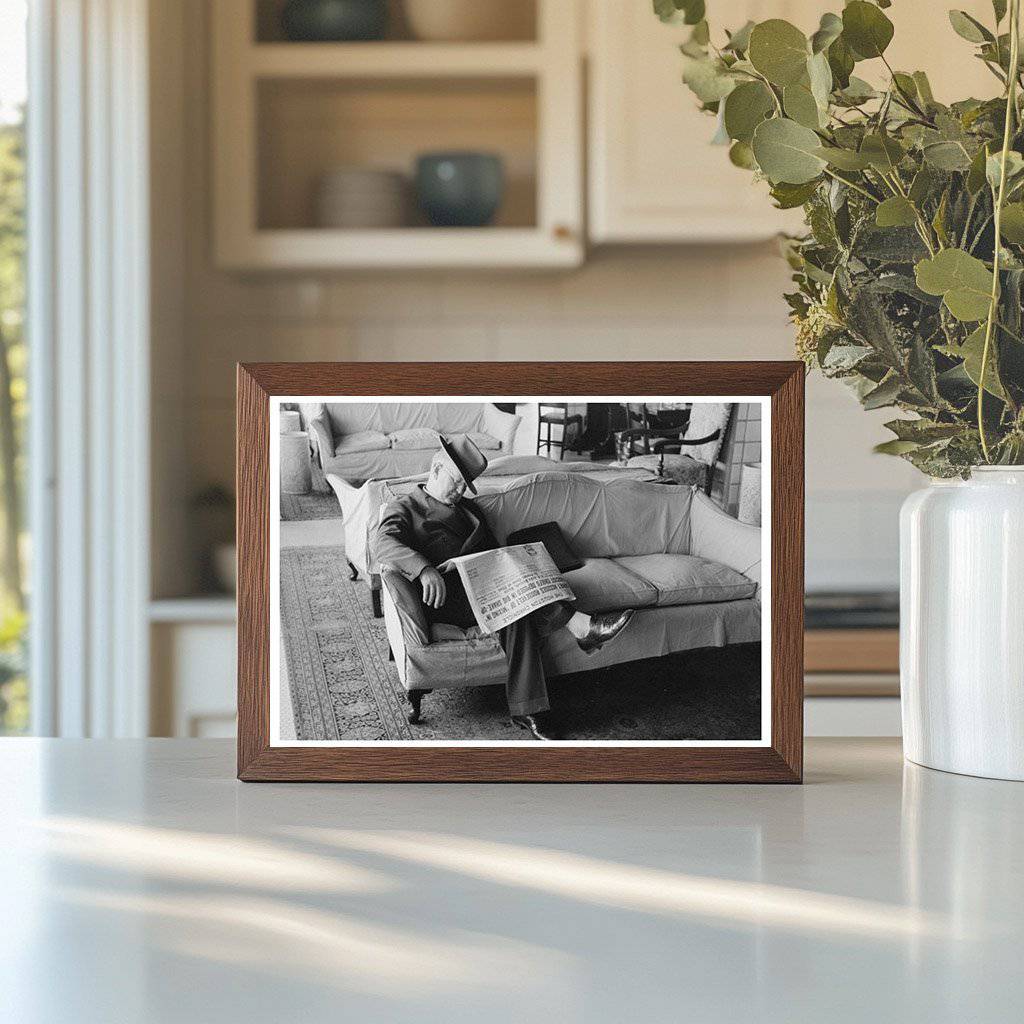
(360, 506)
(360, 441)
(691, 571)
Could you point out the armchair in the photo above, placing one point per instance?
(423, 653)
(701, 434)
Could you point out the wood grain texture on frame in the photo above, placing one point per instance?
(782, 761)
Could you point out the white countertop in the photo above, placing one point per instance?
(140, 882)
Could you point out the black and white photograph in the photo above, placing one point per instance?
(519, 571)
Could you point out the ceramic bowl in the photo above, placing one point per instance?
(460, 189)
(332, 21)
(359, 197)
(470, 20)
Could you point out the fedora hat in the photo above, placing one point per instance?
(468, 459)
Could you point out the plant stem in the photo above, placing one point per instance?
(775, 98)
(1011, 108)
(853, 185)
(907, 99)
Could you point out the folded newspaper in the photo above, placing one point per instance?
(505, 584)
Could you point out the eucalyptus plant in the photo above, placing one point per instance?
(910, 277)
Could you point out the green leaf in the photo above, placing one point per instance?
(841, 63)
(779, 51)
(690, 12)
(969, 28)
(741, 155)
(922, 185)
(844, 159)
(787, 152)
(701, 34)
(819, 74)
(947, 156)
(788, 196)
(801, 106)
(921, 370)
(924, 88)
(745, 108)
(866, 29)
(707, 78)
(963, 281)
(890, 245)
(895, 212)
(868, 318)
(857, 91)
(905, 83)
(999, 9)
(739, 41)
(883, 152)
(976, 173)
(939, 220)
(1012, 224)
(666, 10)
(922, 431)
(885, 394)
(693, 10)
(993, 167)
(829, 30)
(971, 351)
(895, 447)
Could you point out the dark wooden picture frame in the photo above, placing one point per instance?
(780, 761)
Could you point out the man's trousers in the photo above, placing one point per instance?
(521, 641)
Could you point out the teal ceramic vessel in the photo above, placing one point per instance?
(460, 189)
(334, 21)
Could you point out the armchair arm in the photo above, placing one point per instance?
(406, 603)
(501, 425)
(719, 537)
(675, 445)
(698, 440)
(323, 440)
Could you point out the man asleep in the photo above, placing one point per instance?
(435, 522)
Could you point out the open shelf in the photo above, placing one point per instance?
(286, 114)
(387, 60)
(520, 23)
(474, 248)
(308, 127)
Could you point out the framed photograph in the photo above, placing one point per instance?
(519, 572)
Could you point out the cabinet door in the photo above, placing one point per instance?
(654, 176)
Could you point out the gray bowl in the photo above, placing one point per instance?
(460, 189)
(332, 21)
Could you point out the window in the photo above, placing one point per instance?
(14, 548)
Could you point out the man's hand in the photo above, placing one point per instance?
(434, 590)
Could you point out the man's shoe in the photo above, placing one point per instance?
(604, 628)
(540, 725)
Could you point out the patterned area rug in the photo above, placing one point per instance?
(300, 507)
(344, 687)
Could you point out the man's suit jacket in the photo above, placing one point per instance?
(417, 531)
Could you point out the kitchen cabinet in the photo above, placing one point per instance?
(654, 177)
(287, 114)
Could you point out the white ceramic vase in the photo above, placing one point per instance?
(962, 624)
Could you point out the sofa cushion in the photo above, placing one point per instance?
(483, 441)
(603, 585)
(687, 579)
(416, 439)
(361, 441)
(459, 417)
(622, 517)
